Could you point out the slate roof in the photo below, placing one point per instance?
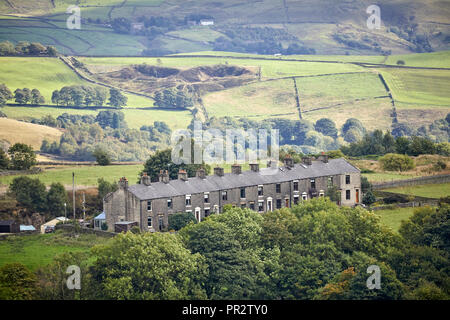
(246, 179)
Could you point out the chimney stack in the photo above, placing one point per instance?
(164, 176)
(254, 167)
(182, 175)
(307, 160)
(123, 183)
(201, 173)
(145, 179)
(323, 157)
(218, 171)
(288, 161)
(236, 169)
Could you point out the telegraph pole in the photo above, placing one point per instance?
(73, 193)
(84, 208)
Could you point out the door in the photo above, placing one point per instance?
(269, 204)
(357, 195)
(286, 203)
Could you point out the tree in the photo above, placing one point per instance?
(56, 198)
(22, 96)
(396, 162)
(148, 266)
(4, 160)
(29, 193)
(327, 127)
(105, 187)
(400, 62)
(51, 51)
(402, 145)
(116, 98)
(5, 94)
(22, 156)
(102, 157)
(56, 98)
(178, 221)
(369, 198)
(36, 97)
(35, 48)
(365, 184)
(17, 282)
(333, 193)
(162, 160)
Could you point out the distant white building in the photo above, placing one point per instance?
(207, 22)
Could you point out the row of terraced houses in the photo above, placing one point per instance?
(149, 204)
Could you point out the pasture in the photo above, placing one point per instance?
(434, 191)
(394, 217)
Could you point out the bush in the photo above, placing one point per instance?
(396, 162)
(179, 220)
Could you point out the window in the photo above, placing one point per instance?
(347, 179)
(347, 194)
(313, 183)
(206, 197)
(149, 222)
(330, 182)
(260, 191)
(242, 193)
(295, 185)
(296, 199)
(207, 212)
(188, 200)
(304, 196)
(224, 196)
(278, 188)
(260, 206)
(278, 203)
(149, 205)
(169, 203)
(252, 206)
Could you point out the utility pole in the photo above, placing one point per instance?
(84, 208)
(73, 193)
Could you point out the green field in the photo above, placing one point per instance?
(428, 88)
(435, 191)
(393, 218)
(38, 250)
(84, 175)
(430, 60)
(386, 176)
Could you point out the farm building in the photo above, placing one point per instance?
(9, 226)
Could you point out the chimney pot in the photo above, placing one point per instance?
(254, 167)
(201, 173)
(145, 179)
(182, 175)
(236, 169)
(218, 171)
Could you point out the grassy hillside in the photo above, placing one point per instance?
(394, 217)
(313, 23)
(15, 131)
(427, 190)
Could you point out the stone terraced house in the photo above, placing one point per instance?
(266, 189)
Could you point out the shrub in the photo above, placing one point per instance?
(396, 162)
(180, 220)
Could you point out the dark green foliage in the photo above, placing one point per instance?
(396, 162)
(56, 198)
(17, 282)
(365, 185)
(180, 220)
(369, 198)
(116, 98)
(22, 156)
(23, 48)
(105, 187)
(102, 157)
(162, 160)
(112, 119)
(173, 98)
(5, 94)
(327, 127)
(36, 97)
(79, 96)
(29, 193)
(4, 160)
(22, 96)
